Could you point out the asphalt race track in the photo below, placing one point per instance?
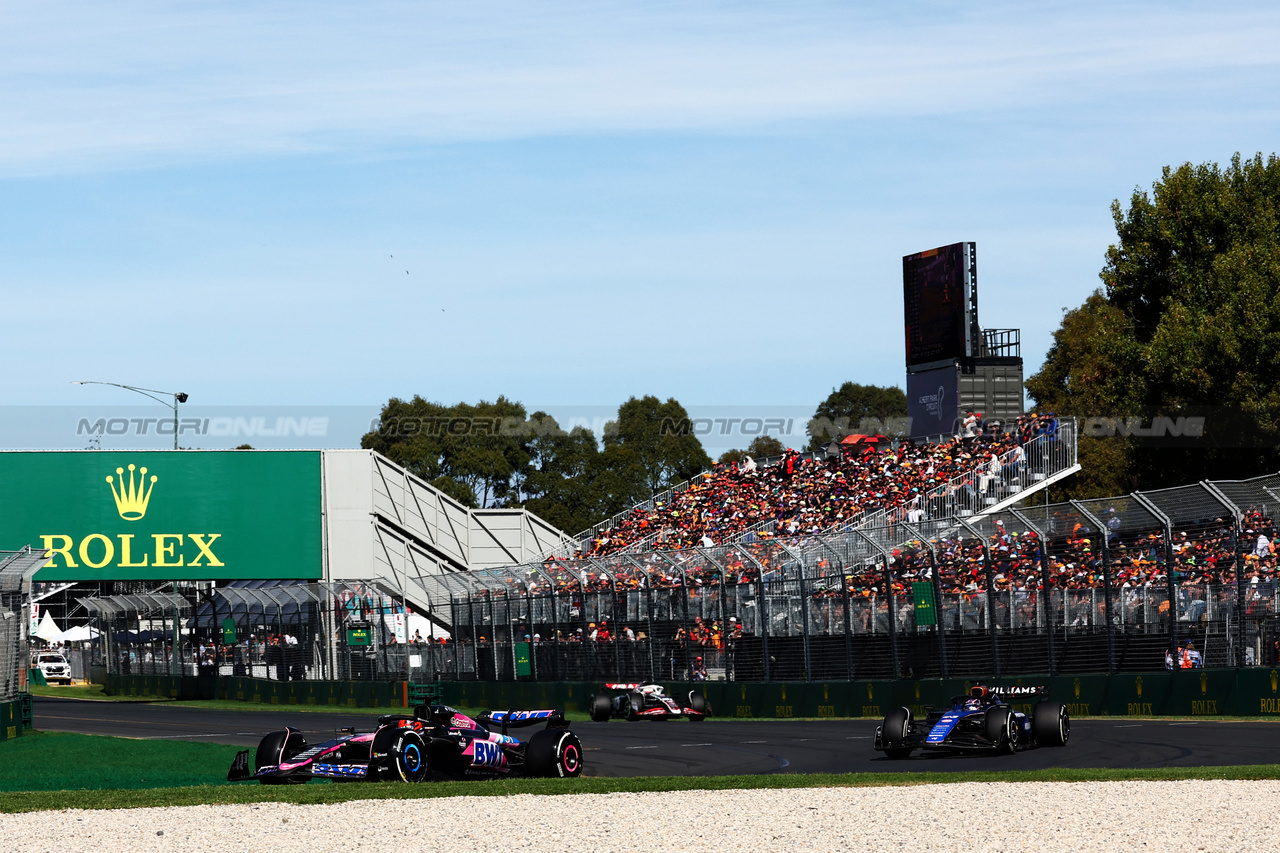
(718, 748)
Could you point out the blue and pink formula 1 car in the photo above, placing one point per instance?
(436, 741)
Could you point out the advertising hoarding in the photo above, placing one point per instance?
(165, 515)
(934, 295)
(933, 401)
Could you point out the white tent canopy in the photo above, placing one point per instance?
(48, 630)
(80, 634)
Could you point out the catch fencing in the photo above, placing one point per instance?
(16, 571)
(1104, 586)
(334, 631)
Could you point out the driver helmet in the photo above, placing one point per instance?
(977, 694)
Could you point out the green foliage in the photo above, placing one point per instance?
(469, 452)
(1188, 322)
(854, 408)
(558, 484)
(490, 454)
(650, 447)
(761, 447)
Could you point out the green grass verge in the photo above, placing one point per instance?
(86, 691)
(11, 802)
(51, 761)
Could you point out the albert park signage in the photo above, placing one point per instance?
(164, 515)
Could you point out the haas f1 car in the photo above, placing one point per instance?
(982, 721)
(645, 702)
(435, 741)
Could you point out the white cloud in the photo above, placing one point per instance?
(99, 84)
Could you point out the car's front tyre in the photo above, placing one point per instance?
(280, 748)
(698, 704)
(894, 732)
(1050, 724)
(601, 707)
(1002, 730)
(408, 758)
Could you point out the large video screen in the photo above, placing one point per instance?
(933, 294)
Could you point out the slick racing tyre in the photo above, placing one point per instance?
(554, 753)
(698, 703)
(633, 704)
(408, 759)
(1002, 730)
(894, 731)
(601, 707)
(1050, 724)
(279, 748)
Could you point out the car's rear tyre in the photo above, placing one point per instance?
(1002, 730)
(1050, 724)
(278, 748)
(698, 703)
(554, 753)
(601, 707)
(894, 731)
(408, 759)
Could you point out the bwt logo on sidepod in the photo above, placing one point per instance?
(486, 754)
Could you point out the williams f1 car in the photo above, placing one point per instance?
(436, 741)
(982, 721)
(645, 702)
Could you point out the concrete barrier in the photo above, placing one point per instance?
(1184, 693)
(11, 724)
(345, 694)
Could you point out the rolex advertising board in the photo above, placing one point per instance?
(164, 515)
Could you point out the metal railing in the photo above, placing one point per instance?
(333, 631)
(16, 570)
(583, 541)
(1103, 586)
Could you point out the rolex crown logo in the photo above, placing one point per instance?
(132, 497)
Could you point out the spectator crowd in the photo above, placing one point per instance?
(802, 494)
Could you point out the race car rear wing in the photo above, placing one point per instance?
(515, 719)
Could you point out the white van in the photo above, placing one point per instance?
(55, 667)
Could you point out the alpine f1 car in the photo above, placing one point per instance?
(982, 721)
(436, 741)
(645, 702)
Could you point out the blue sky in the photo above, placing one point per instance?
(584, 201)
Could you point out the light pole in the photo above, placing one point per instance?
(178, 397)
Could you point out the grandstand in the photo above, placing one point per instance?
(1099, 586)
(960, 475)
